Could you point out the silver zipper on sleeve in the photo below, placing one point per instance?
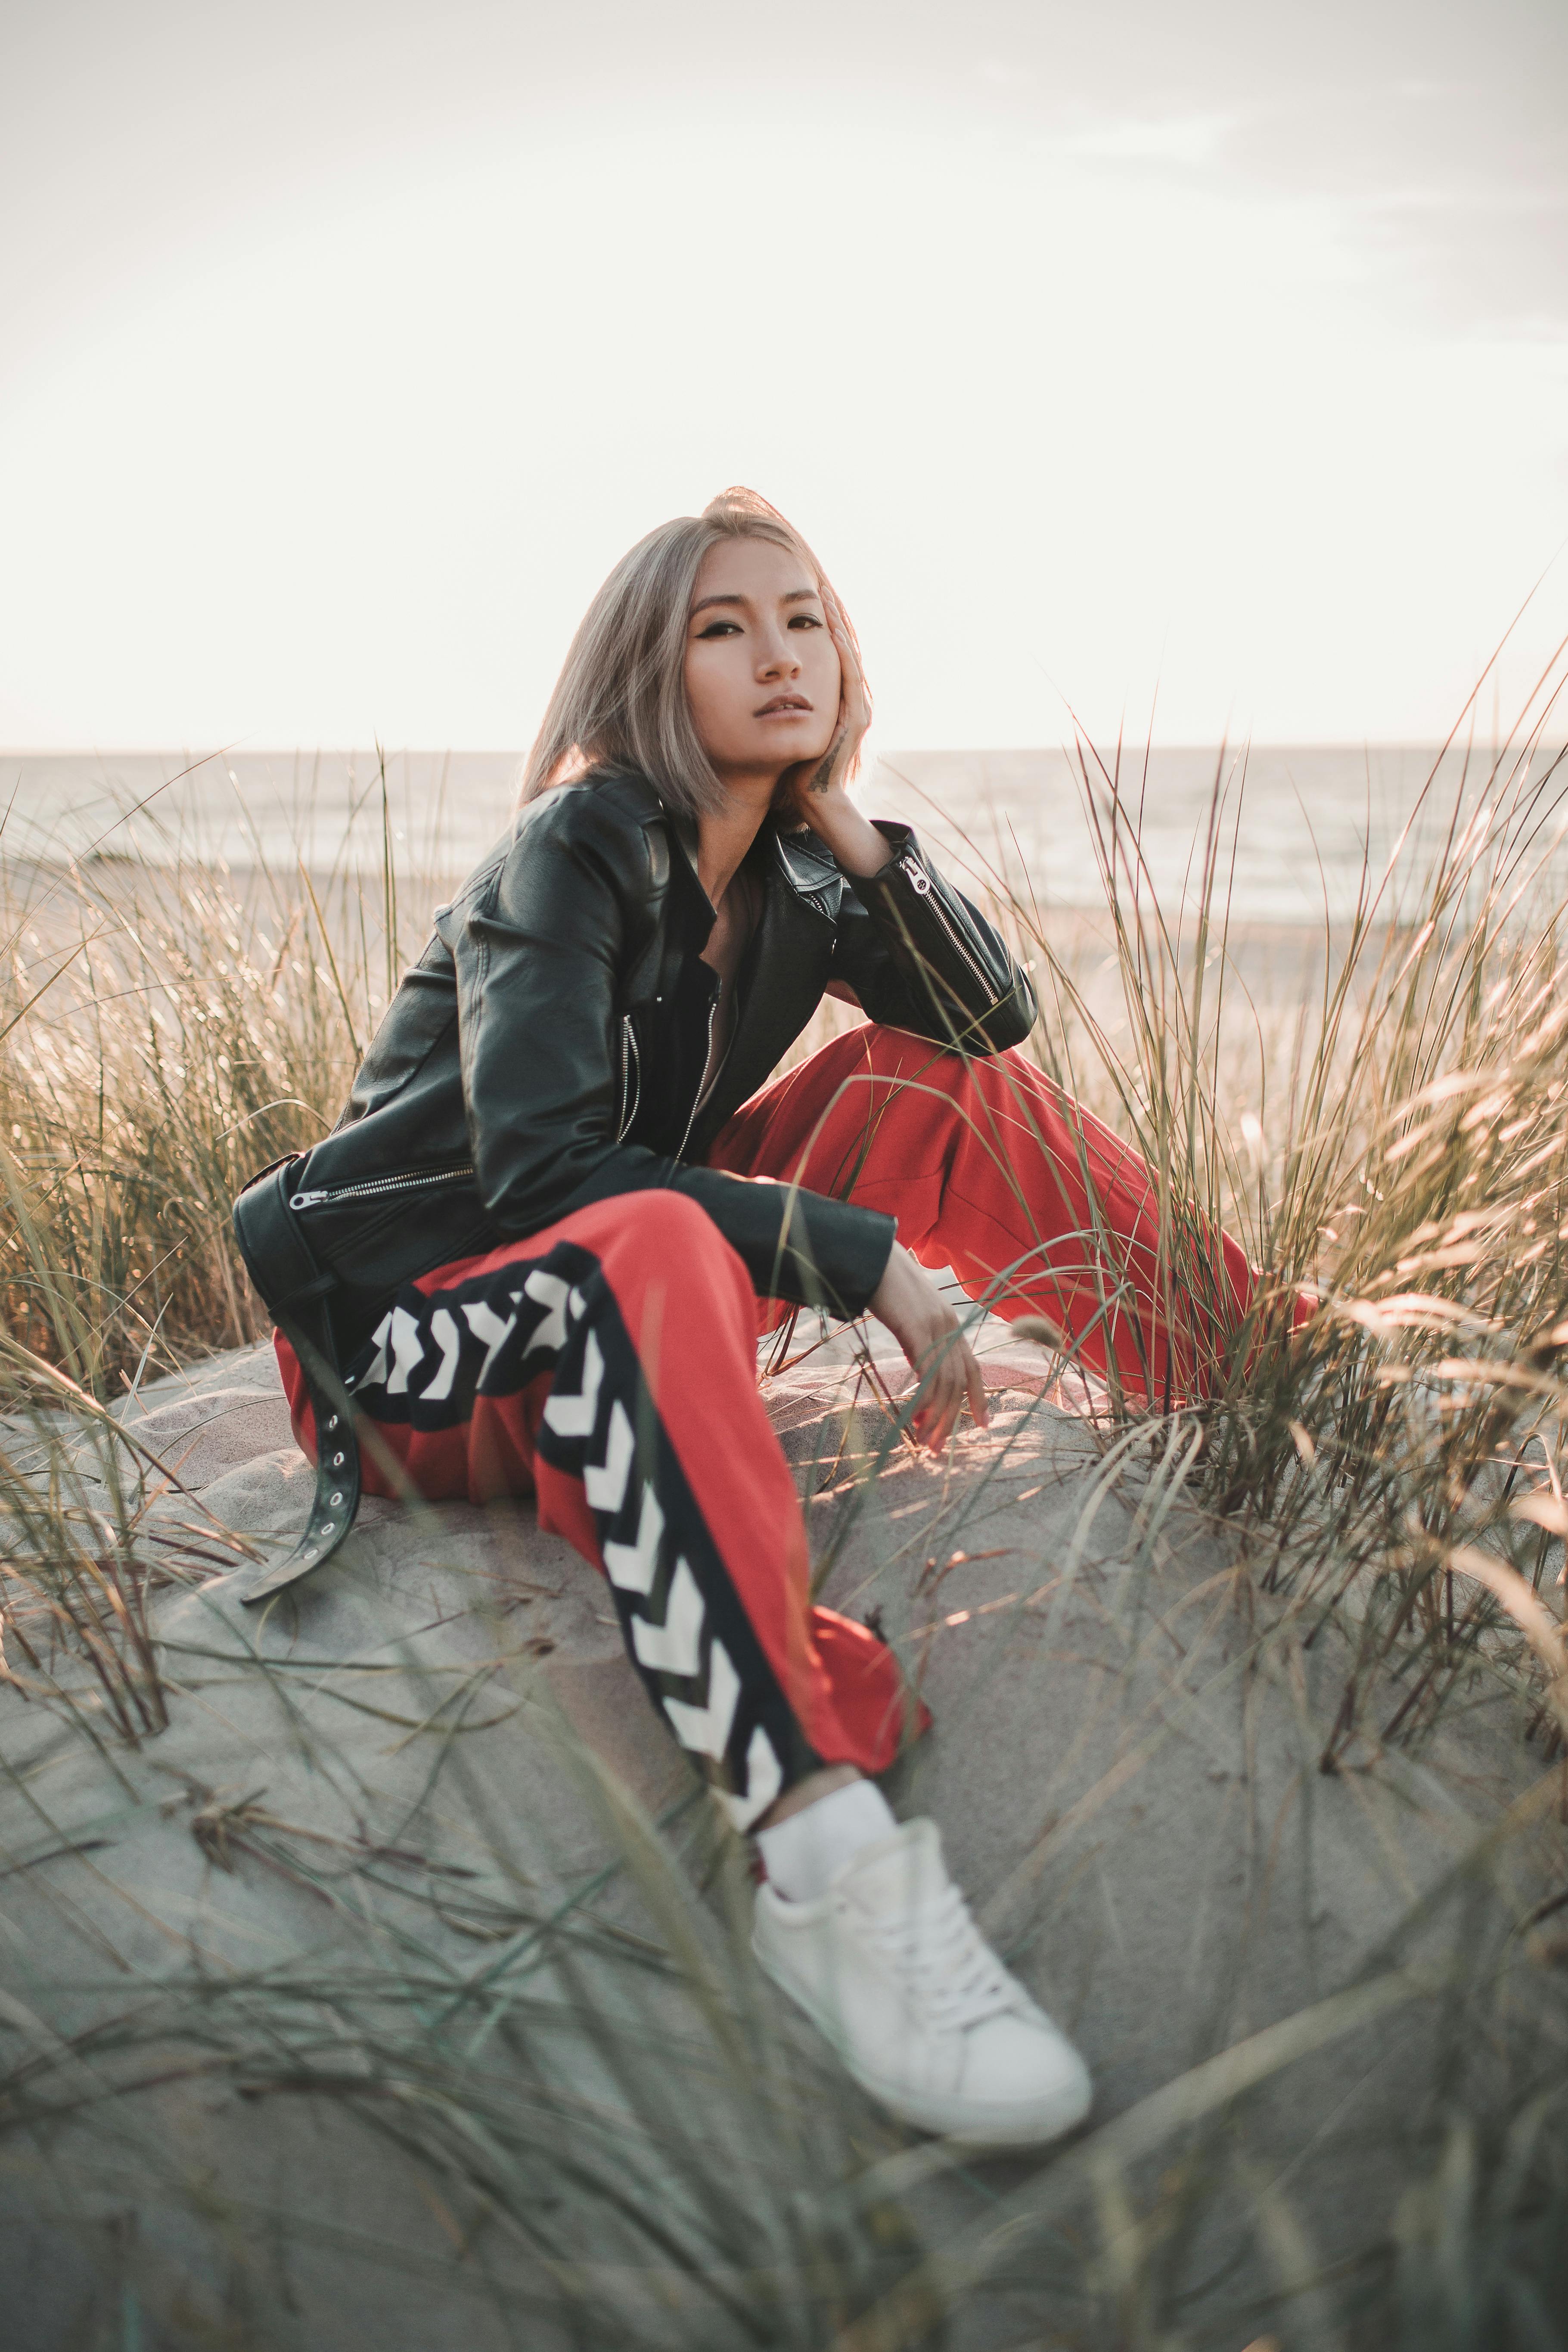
(411, 1182)
(920, 883)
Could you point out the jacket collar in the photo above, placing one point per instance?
(684, 829)
(811, 871)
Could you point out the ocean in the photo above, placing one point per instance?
(1298, 822)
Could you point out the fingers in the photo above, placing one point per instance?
(951, 1379)
(848, 659)
(856, 692)
(856, 700)
(928, 1332)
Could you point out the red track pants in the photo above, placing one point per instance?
(608, 1365)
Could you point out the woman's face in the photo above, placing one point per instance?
(761, 671)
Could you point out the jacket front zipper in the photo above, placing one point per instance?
(410, 1182)
(631, 1063)
(920, 883)
(702, 1091)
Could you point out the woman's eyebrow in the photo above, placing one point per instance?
(791, 596)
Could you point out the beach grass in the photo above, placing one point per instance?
(1393, 1138)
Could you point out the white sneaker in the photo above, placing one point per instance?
(893, 1971)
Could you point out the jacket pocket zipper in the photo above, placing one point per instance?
(919, 881)
(411, 1183)
(631, 1075)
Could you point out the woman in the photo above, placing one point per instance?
(539, 1240)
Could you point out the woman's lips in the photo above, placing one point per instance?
(785, 706)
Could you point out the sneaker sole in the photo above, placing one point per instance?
(964, 2121)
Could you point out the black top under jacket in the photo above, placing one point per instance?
(548, 1048)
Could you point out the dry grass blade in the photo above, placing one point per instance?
(619, 2139)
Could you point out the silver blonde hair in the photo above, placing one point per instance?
(620, 699)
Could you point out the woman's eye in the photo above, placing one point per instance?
(804, 621)
(720, 629)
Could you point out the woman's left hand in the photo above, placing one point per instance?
(908, 1303)
(816, 792)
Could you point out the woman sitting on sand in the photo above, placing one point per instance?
(562, 1200)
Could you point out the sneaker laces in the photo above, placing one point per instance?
(945, 1963)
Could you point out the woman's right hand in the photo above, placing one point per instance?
(926, 1329)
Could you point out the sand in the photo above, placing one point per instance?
(399, 1774)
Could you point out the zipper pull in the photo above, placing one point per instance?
(919, 880)
(305, 1200)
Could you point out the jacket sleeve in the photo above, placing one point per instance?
(537, 954)
(919, 957)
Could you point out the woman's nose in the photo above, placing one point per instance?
(778, 657)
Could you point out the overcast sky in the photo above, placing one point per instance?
(343, 347)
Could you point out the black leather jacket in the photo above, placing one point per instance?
(548, 1048)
